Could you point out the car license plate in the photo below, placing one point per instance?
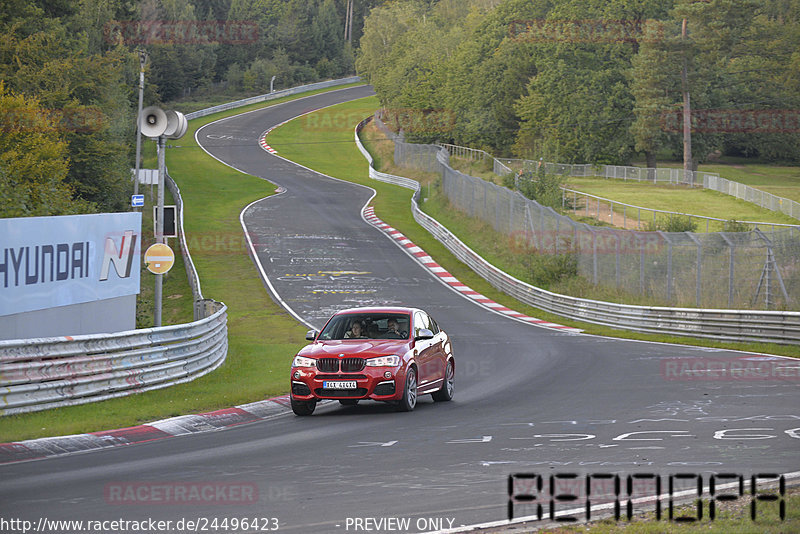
(338, 384)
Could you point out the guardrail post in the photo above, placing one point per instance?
(699, 266)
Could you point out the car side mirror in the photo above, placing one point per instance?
(423, 333)
(311, 335)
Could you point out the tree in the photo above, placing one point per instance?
(33, 161)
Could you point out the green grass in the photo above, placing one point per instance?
(732, 518)
(262, 336)
(676, 198)
(332, 153)
(781, 180)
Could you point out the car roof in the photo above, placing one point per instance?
(378, 309)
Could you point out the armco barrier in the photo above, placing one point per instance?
(38, 374)
(728, 325)
(272, 96)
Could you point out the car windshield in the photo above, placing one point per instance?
(366, 326)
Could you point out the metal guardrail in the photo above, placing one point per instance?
(781, 327)
(271, 96)
(38, 374)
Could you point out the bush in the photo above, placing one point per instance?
(733, 225)
(544, 189)
(673, 223)
(544, 270)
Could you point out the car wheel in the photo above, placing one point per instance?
(446, 393)
(303, 407)
(409, 400)
(348, 402)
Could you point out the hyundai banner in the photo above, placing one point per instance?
(47, 262)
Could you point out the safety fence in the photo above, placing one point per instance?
(708, 180)
(731, 325)
(626, 216)
(501, 167)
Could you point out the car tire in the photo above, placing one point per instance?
(448, 387)
(348, 402)
(409, 399)
(303, 407)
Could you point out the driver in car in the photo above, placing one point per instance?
(394, 328)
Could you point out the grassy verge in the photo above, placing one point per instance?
(731, 518)
(262, 336)
(331, 151)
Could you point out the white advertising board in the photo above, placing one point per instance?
(47, 262)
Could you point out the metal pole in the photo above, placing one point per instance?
(159, 229)
(142, 62)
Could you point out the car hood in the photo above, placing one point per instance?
(366, 348)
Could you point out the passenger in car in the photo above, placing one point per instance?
(356, 331)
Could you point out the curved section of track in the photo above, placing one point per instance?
(527, 399)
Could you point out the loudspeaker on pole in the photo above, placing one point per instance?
(153, 122)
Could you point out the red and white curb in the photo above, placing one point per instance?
(452, 281)
(265, 146)
(36, 449)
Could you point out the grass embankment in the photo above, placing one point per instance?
(330, 150)
(262, 337)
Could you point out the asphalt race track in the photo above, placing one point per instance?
(528, 399)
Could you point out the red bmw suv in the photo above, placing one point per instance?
(384, 354)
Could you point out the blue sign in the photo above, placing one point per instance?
(137, 201)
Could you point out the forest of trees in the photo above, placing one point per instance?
(569, 80)
(593, 81)
(69, 81)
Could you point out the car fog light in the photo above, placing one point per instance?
(387, 374)
(297, 374)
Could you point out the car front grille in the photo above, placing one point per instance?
(328, 365)
(353, 365)
(348, 365)
(339, 377)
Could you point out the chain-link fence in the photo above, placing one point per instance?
(746, 270)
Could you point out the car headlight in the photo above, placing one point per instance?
(384, 361)
(300, 361)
